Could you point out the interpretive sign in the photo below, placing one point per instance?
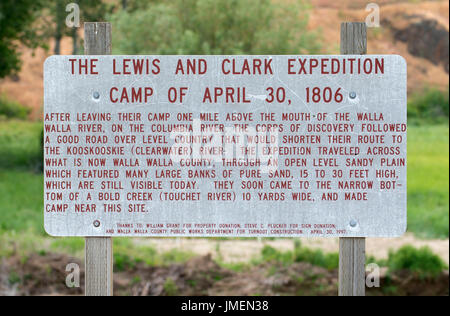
(225, 146)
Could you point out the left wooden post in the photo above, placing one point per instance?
(98, 250)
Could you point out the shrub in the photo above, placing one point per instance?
(429, 106)
(214, 27)
(301, 254)
(170, 287)
(123, 262)
(269, 253)
(12, 109)
(421, 261)
(317, 257)
(176, 256)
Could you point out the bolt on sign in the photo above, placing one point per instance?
(225, 146)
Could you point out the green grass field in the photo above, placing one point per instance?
(21, 185)
(428, 179)
(19, 145)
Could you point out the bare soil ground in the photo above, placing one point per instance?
(45, 275)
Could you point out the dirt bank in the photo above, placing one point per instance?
(45, 275)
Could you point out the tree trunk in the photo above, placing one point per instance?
(57, 45)
(59, 16)
(75, 41)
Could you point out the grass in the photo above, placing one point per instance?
(21, 201)
(12, 109)
(20, 145)
(21, 192)
(428, 106)
(170, 287)
(428, 181)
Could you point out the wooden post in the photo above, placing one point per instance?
(352, 251)
(99, 250)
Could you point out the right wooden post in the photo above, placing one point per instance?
(98, 250)
(352, 251)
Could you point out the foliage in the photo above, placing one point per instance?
(268, 253)
(214, 27)
(429, 106)
(428, 181)
(16, 18)
(134, 5)
(20, 145)
(421, 261)
(123, 262)
(72, 245)
(170, 287)
(176, 256)
(11, 109)
(129, 254)
(31, 22)
(301, 254)
(21, 202)
(316, 257)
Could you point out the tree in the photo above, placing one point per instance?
(214, 27)
(16, 19)
(59, 19)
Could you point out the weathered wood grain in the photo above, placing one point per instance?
(97, 38)
(353, 38)
(352, 251)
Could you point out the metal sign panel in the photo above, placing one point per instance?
(225, 146)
